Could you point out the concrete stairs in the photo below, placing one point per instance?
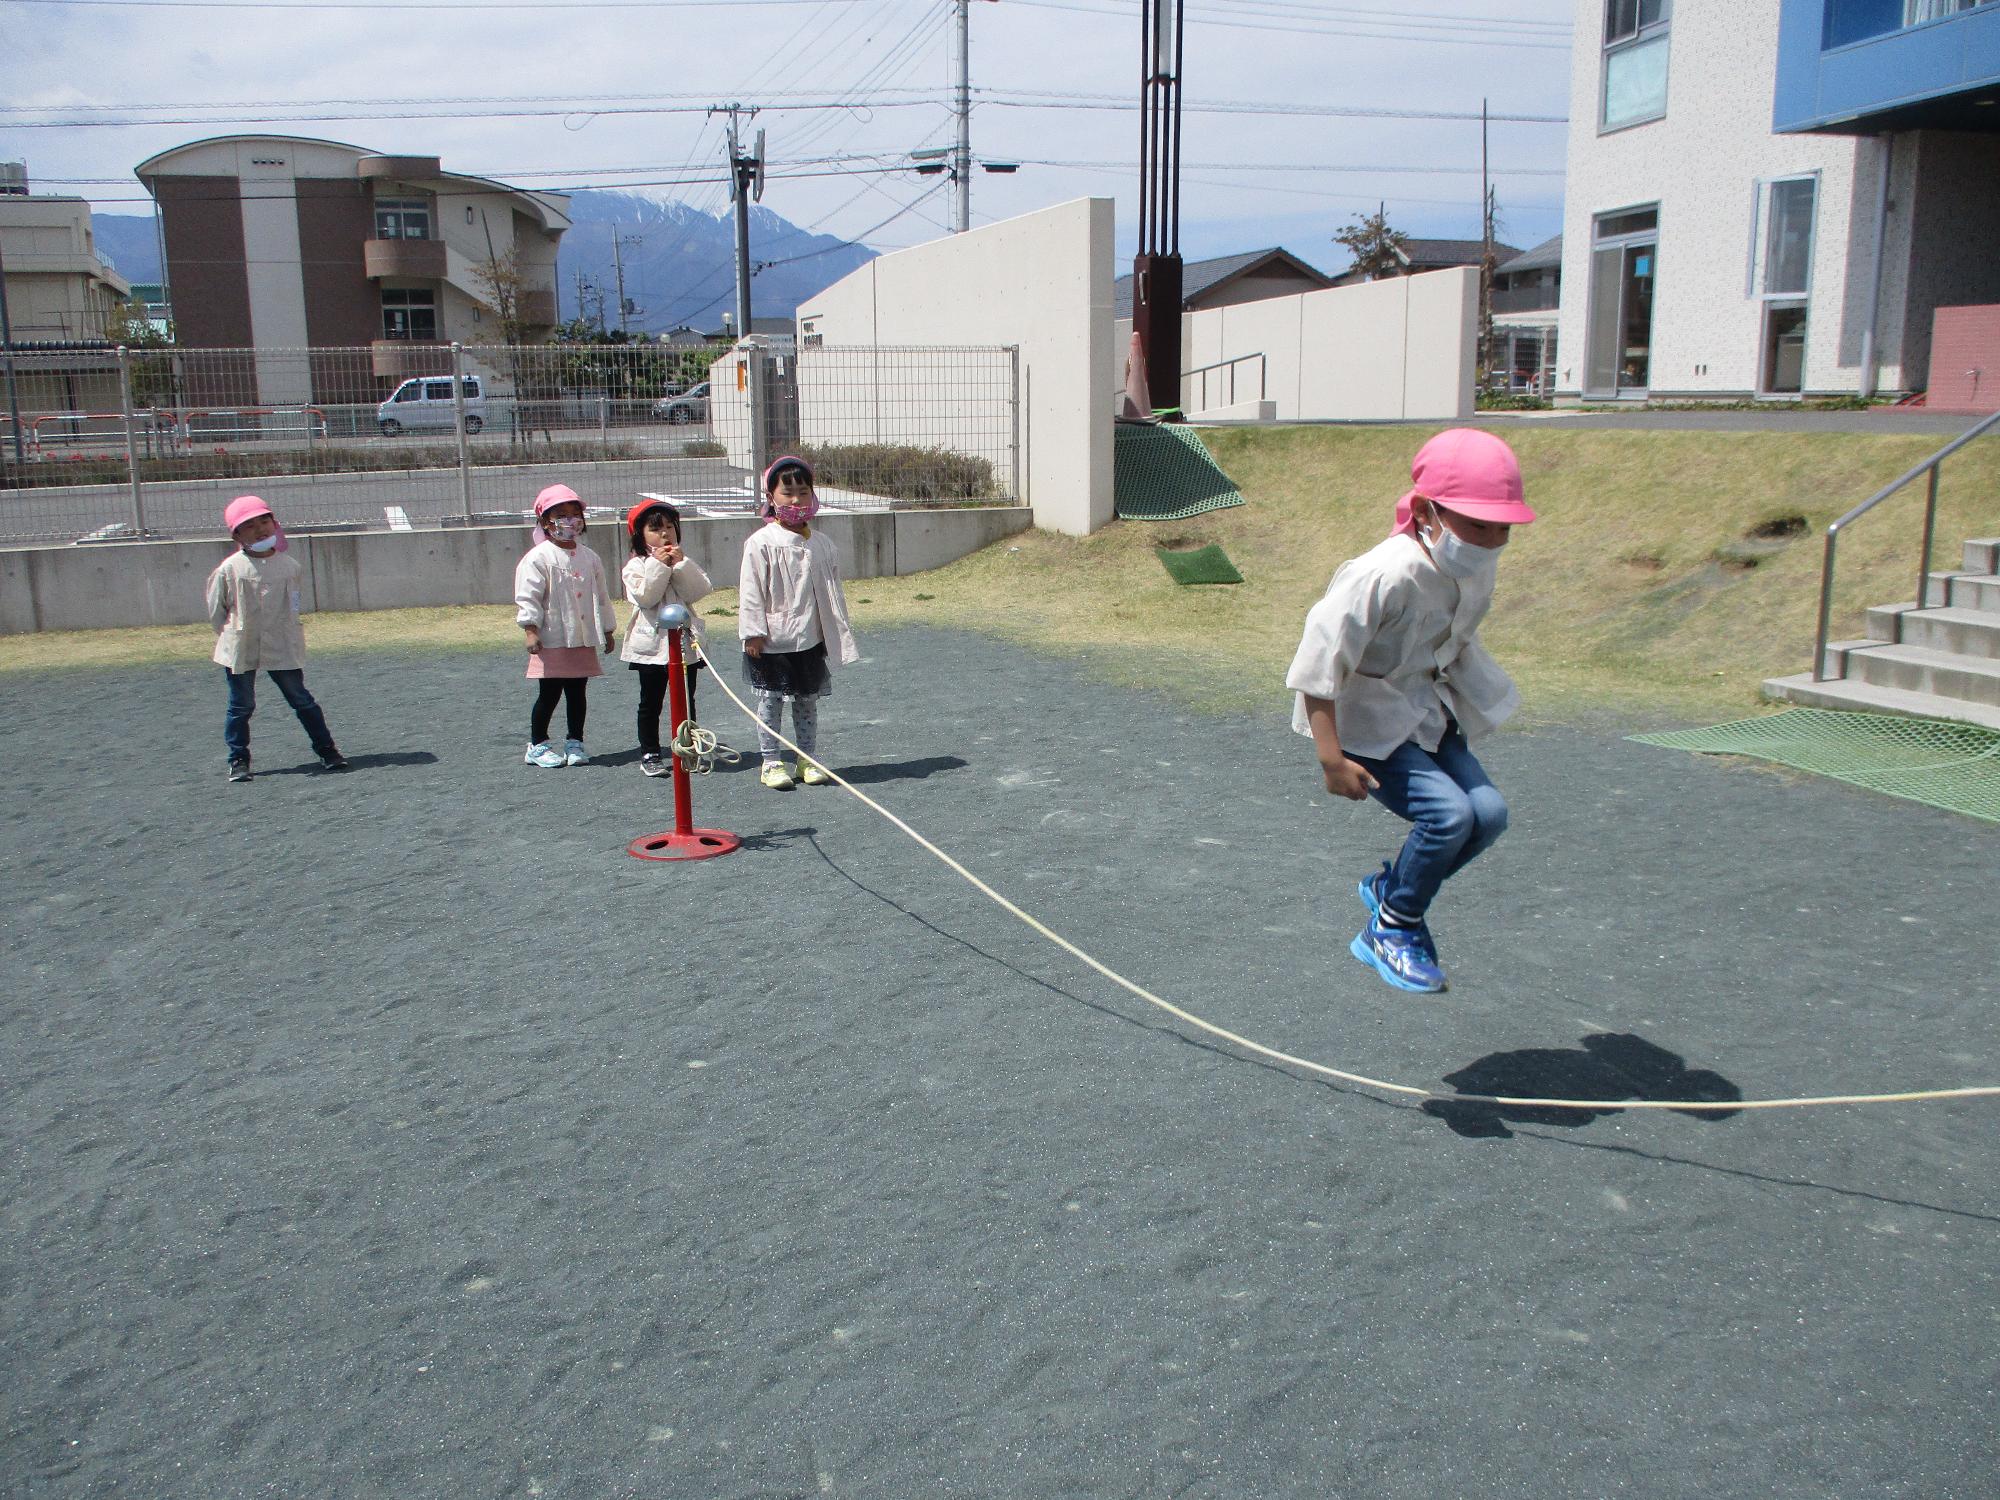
(1936, 660)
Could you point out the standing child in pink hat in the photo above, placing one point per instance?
(253, 603)
(564, 608)
(1393, 686)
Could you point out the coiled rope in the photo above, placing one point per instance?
(699, 750)
(1304, 1064)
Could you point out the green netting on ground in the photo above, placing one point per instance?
(1165, 474)
(1933, 761)
(1208, 564)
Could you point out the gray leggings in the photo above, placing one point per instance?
(771, 718)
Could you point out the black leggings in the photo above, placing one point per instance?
(570, 690)
(653, 698)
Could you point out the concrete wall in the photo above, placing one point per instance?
(1701, 163)
(1043, 282)
(110, 585)
(1403, 347)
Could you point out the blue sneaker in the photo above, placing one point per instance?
(1404, 957)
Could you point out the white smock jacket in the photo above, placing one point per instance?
(1392, 644)
(650, 585)
(253, 603)
(560, 591)
(788, 591)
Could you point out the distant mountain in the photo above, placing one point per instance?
(128, 241)
(680, 264)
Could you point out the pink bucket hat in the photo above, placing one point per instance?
(548, 499)
(1469, 471)
(248, 508)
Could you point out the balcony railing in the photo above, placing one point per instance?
(422, 260)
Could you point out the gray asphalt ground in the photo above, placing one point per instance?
(396, 1134)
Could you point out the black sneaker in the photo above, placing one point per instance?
(653, 763)
(239, 769)
(330, 759)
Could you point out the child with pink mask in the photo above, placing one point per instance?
(1393, 686)
(563, 607)
(253, 603)
(792, 618)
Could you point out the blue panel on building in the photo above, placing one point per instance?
(1842, 61)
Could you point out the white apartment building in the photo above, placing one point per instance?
(59, 289)
(1707, 256)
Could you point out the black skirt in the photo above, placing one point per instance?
(793, 674)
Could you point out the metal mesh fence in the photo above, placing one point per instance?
(115, 444)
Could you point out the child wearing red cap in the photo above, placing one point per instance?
(564, 608)
(1393, 685)
(253, 603)
(658, 576)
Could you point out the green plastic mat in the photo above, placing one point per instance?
(1933, 761)
(1208, 564)
(1165, 474)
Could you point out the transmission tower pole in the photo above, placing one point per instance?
(618, 265)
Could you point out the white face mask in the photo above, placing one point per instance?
(564, 528)
(268, 545)
(1458, 558)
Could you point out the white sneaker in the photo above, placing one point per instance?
(574, 754)
(545, 755)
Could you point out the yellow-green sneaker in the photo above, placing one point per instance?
(777, 777)
(811, 775)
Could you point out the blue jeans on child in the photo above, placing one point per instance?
(1457, 812)
(291, 682)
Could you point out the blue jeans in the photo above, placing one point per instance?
(1456, 811)
(291, 682)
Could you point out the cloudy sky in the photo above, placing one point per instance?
(573, 94)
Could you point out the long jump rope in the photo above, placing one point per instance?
(697, 746)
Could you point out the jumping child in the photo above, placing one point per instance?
(789, 610)
(253, 603)
(564, 608)
(658, 574)
(1393, 684)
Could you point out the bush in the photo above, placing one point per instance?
(904, 473)
(1511, 401)
(705, 448)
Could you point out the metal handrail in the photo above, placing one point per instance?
(1263, 374)
(1930, 466)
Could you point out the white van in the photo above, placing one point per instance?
(426, 402)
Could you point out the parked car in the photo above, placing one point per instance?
(425, 401)
(690, 407)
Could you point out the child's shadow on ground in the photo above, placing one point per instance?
(380, 762)
(870, 775)
(1606, 1066)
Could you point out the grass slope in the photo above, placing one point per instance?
(1622, 599)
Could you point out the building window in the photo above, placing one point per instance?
(1781, 253)
(409, 315)
(1619, 336)
(1635, 61)
(402, 219)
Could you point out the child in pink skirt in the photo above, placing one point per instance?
(564, 607)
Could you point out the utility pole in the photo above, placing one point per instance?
(1485, 256)
(961, 157)
(746, 179)
(618, 261)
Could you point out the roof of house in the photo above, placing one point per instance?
(1199, 277)
(1548, 254)
(1420, 254)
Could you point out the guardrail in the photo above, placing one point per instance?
(1929, 466)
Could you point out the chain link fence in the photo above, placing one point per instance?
(119, 444)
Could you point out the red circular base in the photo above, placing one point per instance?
(696, 843)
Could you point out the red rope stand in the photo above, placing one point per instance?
(685, 841)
